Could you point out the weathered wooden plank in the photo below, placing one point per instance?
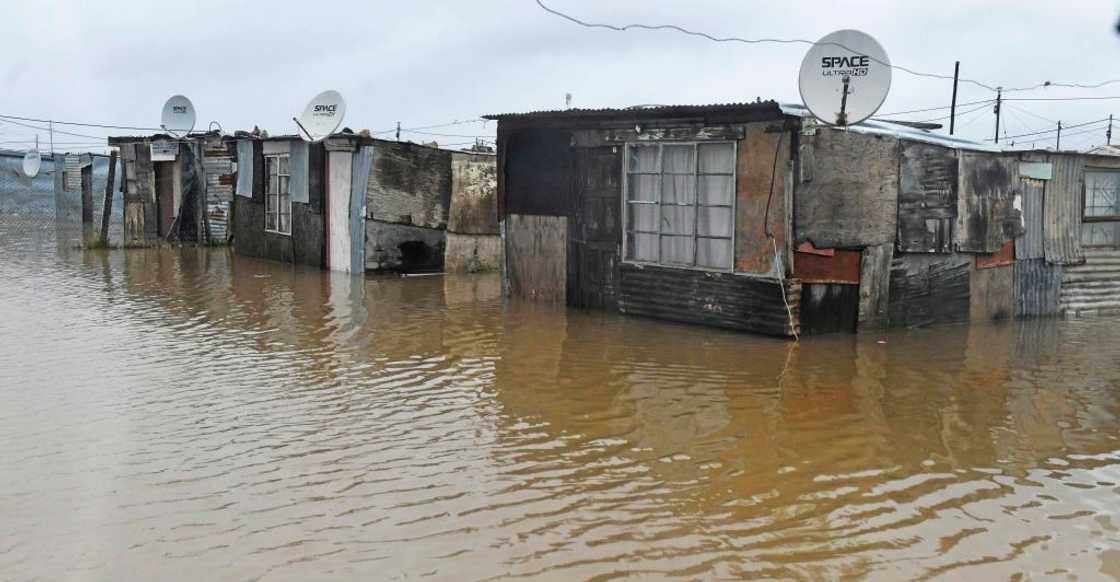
(107, 205)
(685, 132)
(763, 159)
(991, 295)
(874, 286)
(987, 216)
(595, 236)
(537, 257)
(929, 289)
(851, 200)
(927, 198)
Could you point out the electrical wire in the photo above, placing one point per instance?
(47, 129)
(75, 123)
(959, 113)
(1034, 115)
(933, 108)
(682, 30)
(1063, 128)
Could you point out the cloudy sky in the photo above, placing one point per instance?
(433, 62)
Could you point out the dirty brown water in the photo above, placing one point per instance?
(191, 415)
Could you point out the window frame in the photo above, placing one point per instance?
(1085, 196)
(696, 175)
(268, 195)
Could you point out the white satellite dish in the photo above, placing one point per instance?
(322, 116)
(845, 77)
(178, 116)
(32, 161)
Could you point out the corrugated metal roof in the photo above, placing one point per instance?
(640, 111)
(871, 127)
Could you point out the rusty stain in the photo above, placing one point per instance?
(1001, 258)
(842, 267)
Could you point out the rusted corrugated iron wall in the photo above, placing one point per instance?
(986, 213)
(847, 193)
(1062, 210)
(217, 166)
(927, 198)
(1031, 244)
(1037, 286)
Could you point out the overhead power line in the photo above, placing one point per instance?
(942, 108)
(78, 124)
(47, 129)
(1063, 129)
(682, 30)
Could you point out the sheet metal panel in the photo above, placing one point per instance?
(927, 198)
(708, 298)
(1003, 258)
(1037, 286)
(1062, 210)
(536, 257)
(987, 216)
(297, 168)
(363, 159)
(245, 164)
(1031, 244)
(929, 289)
(841, 268)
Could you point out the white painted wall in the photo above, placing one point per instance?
(338, 185)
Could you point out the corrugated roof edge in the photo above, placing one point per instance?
(873, 127)
(638, 111)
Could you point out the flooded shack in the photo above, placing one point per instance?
(176, 189)
(354, 203)
(756, 217)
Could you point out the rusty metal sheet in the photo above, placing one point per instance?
(929, 289)
(1002, 258)
(1037, 286)
(757, 169)
(1030, 244)
(1062, 210)
(986, 212)
(841, 268)
(927, 198)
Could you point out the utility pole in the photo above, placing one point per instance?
(999, 100)
(1058, 146)
(50, 124)
(953, 107)
(398, 131)
(1108, 134)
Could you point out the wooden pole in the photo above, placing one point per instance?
(87, 202)
(953, 105)
(107, 207)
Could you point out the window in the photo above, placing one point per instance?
(277, 202)
(1101, 224)
(680, 204)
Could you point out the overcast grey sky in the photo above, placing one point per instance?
(436, 61)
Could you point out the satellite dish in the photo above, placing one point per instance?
(178, 116)
(322, 116)
(845, 77)
(32, 161)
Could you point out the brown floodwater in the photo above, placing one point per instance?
(185, 414)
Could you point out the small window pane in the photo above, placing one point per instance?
(678, 219)
(676, 250)
(642, 217)
(643, 247)
(271, 163)
(714, 221)
(716, 158)
(1101, 194)
(677, 159)
(642, 187)
(716, 189)
(283, 185)
(678, 189)
(713, 253)
(643, 158)
(273, 184)
(283, 164)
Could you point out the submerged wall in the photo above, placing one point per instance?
(473, 235)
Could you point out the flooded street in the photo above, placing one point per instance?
(185, 414)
